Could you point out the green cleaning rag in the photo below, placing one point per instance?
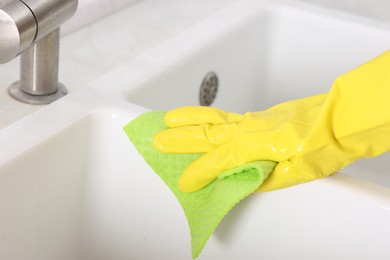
(205, 208)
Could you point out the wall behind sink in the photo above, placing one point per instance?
(377, 9)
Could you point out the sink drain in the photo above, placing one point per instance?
(208, 89)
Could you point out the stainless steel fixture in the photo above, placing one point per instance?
(31, 28)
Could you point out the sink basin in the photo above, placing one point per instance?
(275, 54)
(74, 188)
(82, 193)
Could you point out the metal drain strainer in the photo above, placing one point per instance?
(208, 89)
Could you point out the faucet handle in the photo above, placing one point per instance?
(18, 29)
(22, 23)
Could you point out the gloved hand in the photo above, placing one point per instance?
(310, 138)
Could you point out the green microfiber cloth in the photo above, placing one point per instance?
(205, 208)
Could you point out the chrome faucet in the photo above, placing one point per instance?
(31, 28)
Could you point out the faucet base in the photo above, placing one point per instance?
(16, 92)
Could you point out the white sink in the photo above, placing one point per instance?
(83, 193)
(265, 56)
(72, 187)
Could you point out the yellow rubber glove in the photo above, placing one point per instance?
(310, 138)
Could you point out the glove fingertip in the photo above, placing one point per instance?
(158, 142)
(188, 186)
(188, 183)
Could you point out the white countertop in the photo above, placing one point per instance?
(95, 49)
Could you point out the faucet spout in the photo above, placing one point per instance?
(38, 82)
(31, 28)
